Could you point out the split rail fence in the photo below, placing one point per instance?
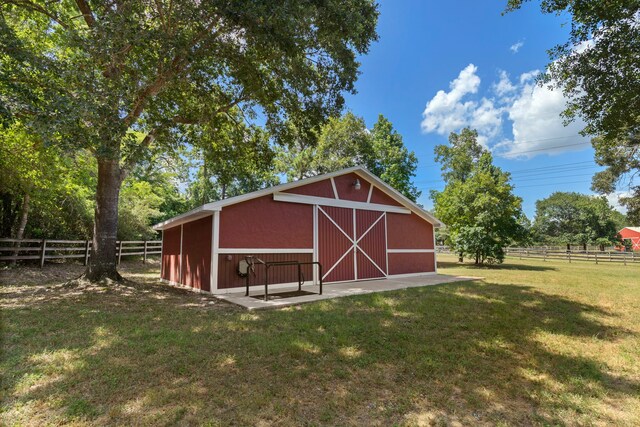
(43, 250)
(570, 256)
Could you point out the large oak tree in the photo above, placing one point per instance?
(91, 74)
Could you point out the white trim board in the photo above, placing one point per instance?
(215, 243)
(335, 190)
(264, 251)
(185, 287)
(410, 251)
(324, 201)
(400, 276)
(260, 286)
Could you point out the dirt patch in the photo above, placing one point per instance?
(23, 286)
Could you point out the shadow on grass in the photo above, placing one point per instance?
(469, 352)
(505, 266)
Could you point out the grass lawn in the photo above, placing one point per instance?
(533, 343)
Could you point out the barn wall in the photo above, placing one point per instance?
(378, 196)
(170, 268)
(265, 223)
(196, 254)
(408, 232)
(319, 189)
(346, 190)
(228, 264)
(407, 263)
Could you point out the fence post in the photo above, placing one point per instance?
(42, 254)
(609, 256)
(569, 257)
(144, 257)
(119, 251)
(596, 257)
(86, 252)
(624, 258)
(545, 255)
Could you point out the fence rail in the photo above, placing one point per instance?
(42, 250)
(570, 256)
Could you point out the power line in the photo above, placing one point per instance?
(553, 177)
(551, 166)
(545, 149)
(551, 183)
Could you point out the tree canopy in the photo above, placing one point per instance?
(574, 218)
(345, 141)
(477, 204)
(96, 76)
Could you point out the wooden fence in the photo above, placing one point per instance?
(569, 256)
(42, 250)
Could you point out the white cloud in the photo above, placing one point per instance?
(536, 124)
(516, 47)
(504, 85)
(449, 111)
(531, 113)
(614, 200)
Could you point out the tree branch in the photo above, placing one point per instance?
(132, 159)
(86, 12)
(25, 4)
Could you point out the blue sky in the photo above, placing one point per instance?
(439, 66)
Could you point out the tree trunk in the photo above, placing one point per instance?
(584, 247)
(102, 264)
(24, 216)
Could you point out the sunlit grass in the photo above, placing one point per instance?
(533, 343)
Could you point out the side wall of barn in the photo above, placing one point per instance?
(186, 254)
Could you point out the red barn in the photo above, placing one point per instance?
(350, 221)
(632, 234)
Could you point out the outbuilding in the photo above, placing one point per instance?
(351, 222)
(632, 236)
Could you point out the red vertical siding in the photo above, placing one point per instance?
(409, 232)
(372, 243)
(406, 263)
(318, 189)
(377, 196)
(333, 244)
(346, 190)
(196, 254)
(265, 223)
(228, 266)
(170, 269)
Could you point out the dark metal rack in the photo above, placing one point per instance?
(268, 265)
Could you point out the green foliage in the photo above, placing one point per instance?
(89, 76)
(477, 243)
(138, 204)
(574, 218)
(621, 156)
(391, 161)
(55, 182)
(234, 159)
(345, 142)
(477, 204)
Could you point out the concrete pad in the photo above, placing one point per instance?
(334, 290)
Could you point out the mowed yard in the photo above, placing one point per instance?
(532, 343)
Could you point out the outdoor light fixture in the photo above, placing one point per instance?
(356, 184)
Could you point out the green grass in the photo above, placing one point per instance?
(532, 343)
